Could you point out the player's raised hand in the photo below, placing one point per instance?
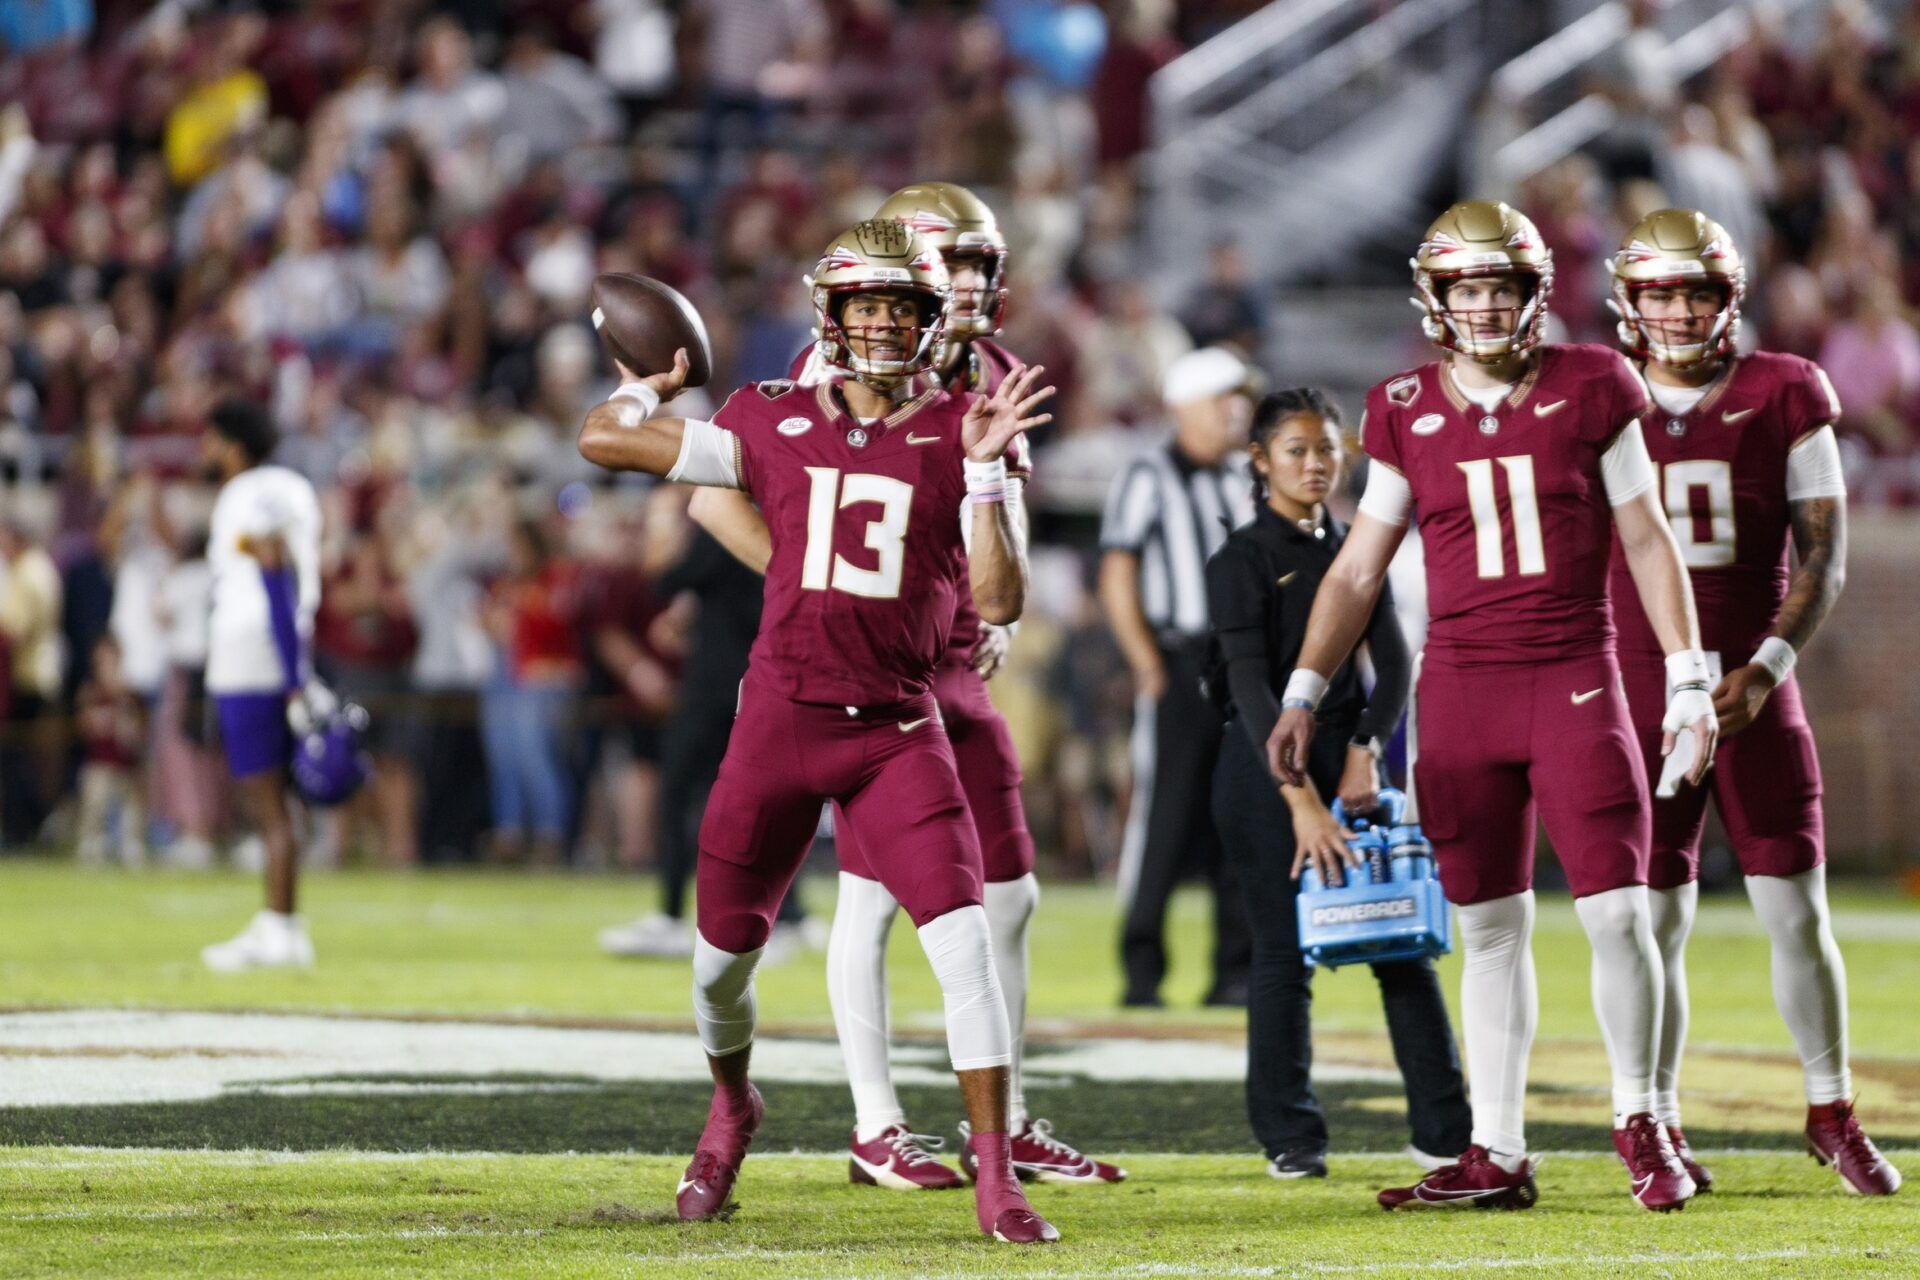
(1287, 746)
(991, 423)
(665, 385)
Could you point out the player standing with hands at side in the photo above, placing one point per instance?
(1748, 461)
(1522, 458)
(859, 482)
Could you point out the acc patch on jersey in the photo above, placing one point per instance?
(1401, 391)
(794, 426)
(775, 388)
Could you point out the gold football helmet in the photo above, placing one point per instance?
(1482, 238)
(960, 225)
(1677, 248)
(879, 256)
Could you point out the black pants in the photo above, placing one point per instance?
(1177, 834)
(691, 748)
(443, 732)
(1257, 830)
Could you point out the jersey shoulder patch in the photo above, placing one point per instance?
(1404, 390)
(774, 388)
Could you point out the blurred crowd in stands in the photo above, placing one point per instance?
(382, 218)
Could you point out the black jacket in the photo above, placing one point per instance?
(1260, 589)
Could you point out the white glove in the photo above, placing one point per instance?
(1689, 701)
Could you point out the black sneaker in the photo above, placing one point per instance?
(1305, 1163)
(1142, 1000)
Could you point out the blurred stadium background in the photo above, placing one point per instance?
(382, 217)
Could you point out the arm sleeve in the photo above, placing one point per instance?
(1813, 468)
(1625, 468)
(709, 455)
(1388, 496)
(1392, 670)
(1132, 508)
(1239, 604)
(735, 417)
(282, 588)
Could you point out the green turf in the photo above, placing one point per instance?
(512, 943)
(65, 1212)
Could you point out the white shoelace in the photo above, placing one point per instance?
(1041, 1132)
(915, 1148)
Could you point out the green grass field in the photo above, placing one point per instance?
(485, 1094)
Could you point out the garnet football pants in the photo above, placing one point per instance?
(989, 776)
(1765, 782)
(890, 768)
(1500, 743)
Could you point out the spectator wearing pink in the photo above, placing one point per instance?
(1873, 358)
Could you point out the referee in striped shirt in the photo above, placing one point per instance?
(1167, 513)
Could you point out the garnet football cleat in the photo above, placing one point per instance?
(998, 1202)
(1659, 1181)
(1038, 1156)
(707, 1185)
(1834, 1137)
(901, 1161)
(1473, 1181)
(1702, 1179)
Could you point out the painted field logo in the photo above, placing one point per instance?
(1362, 912)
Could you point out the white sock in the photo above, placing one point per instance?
(857, 990)
(1809, 978)
(959, 947)
(1673, 911)
(1010, 906)
(1499, 1009)
(723, 1006)
(1627, 991)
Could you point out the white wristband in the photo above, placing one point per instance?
(648, 398)
(986, 481)
(1688, 667)
(1777, 656)
(1304, 686)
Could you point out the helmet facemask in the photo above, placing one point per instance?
(990, 306)
(1670, 341)
(917, 346)
(1453, 330)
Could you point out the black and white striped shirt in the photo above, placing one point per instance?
(1174, 514)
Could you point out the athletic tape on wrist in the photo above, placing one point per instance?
(986, 481)
(1304, 686)
(648, 398)
(1688, 667)
(1777, 656)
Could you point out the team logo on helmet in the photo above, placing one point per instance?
(926, 220)
(838, 258)
(1440, 245)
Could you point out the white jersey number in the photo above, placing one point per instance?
(1699, 498)
(1522, 498)
(823, 568)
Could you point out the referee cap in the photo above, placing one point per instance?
(1210, 371)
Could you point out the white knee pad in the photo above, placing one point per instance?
(723, 1005)
(959, 947)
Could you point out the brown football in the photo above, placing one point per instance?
(643, 322)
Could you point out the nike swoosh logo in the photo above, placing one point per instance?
(686, 1186)
(1542, 410)
(908, 726)
(1641, 1184)
(1285, 578)
(1428, 1194)
(1580, 699)
(1735, 417)
(914, 439)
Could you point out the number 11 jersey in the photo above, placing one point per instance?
(1511, 504)
(868, 556)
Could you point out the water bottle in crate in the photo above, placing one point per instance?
(1391, 906)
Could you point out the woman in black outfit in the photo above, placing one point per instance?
(1260, 588)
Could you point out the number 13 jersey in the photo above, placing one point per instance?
(868, 556)
(1511, 502)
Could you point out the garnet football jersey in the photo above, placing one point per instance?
(1723, 483)
(867, 546)
(1512, 508)
(987, 366)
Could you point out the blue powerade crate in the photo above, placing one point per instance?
(1390, 908)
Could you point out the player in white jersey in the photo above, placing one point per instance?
(264, 551)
